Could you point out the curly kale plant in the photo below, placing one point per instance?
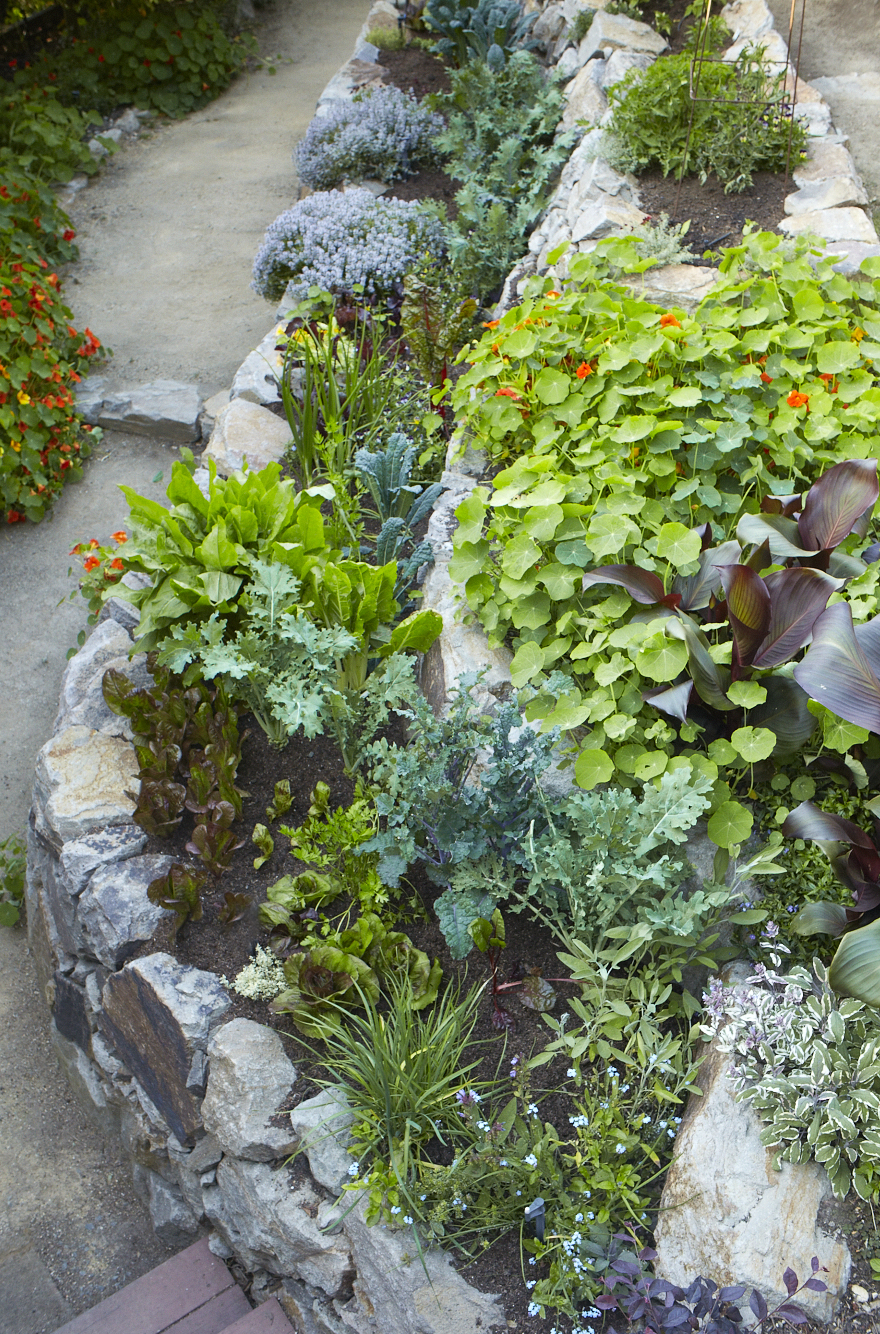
(382, 133)
(340, 242)
(809, 1064)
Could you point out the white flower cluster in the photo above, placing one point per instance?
(381, 134)
(262, 979)
(339, 240)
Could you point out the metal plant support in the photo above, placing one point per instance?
(786, 101)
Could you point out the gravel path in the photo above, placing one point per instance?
(167, 237)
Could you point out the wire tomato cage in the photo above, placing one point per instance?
(780, 102)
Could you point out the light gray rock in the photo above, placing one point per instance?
(83, 856)
(619, 64)
(679, 285)
(394, 1288)
(774, 48)
(106, 642)
(82, 698)
(250, 1076)
(86, 1084)
(726, 1214)
(320, 1127)
(258, 375)
(114, 914)
(568, 63)
(245, 430)
(122, 612)
(615, 31)
(862, 87)
(851, 255)
(549, 24)
(584, 99)
(834, 224)
(273, 1227)
(748, 18)
(90, 396)
(605, 216)
(600, 183)
(173, 1220)
(97, 149)
(826, 157)
(82, 783)
(164, 410)
(830, 193)
(129, 122)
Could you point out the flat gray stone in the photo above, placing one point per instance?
(249, 1078)
(82, 783)
(258, 376)
(173, 1220)
(278, 1229)
(320, 1127)
(106, 642)
(834, 224)
(860, 87)
(83, 856)
(829, 193)
(165, 410)
(82, 699)
(90, 396)
(826, 157)
(603, 217)
(129, 122)
(616, 31)
(727, 1215)
(849, 257)
(114, 915)
(246, 431)
(122, 612)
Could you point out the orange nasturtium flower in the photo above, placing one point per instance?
(507, 393)
(120, 537)
(94, 544)
(584, 370)
(797, 400)
(491, 324)
(766, 378)
(668, 321)
(117, 564)
(553, 294)
(90, 563)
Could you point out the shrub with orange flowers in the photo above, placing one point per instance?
(102, 565)
(42, 356)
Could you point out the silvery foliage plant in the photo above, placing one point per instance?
(339, 241)
(381, 134)
(808, 1062)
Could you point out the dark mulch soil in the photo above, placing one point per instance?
(431, 183)
(416, 71)
(716, 218)
(225, 950)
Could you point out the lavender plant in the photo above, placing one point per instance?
(381, 133)
(808, 1061)
(340, 242)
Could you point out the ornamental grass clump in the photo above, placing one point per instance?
(340, 242)
(382, 134)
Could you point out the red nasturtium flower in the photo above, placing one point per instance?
(766, 378)
(584, 370)
(507, 393)
(91, 562)
(668, 321)
(120, 537)
(117, 564)
(69, 234)
(798, 400)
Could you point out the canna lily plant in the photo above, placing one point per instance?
(765, 618)
(855, 861)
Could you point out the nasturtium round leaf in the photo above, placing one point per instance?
(608, 534)
(542, 521)
(527, 662)
(633, 429)
(552, 386)
(746, 694)
(560, 581)
(754, 743)
(840, 735)
(808, 304)
(591, 768)
(531, 612)
(520, 343)
(688, 396)
(520, 555)
(832, 358)
(661, 658)
(803, 788)
(628, 757)
(651, 764)
(677, 544)
(730, 825)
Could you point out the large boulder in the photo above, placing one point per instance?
(84, 781)
(247, 431)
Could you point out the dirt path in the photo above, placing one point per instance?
(167, 237)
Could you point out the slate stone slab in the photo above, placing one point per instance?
(80, 858)
(82, 783)
(157, 1013)
(165, 410)
(71, 1011)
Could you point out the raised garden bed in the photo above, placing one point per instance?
(163, 1051)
